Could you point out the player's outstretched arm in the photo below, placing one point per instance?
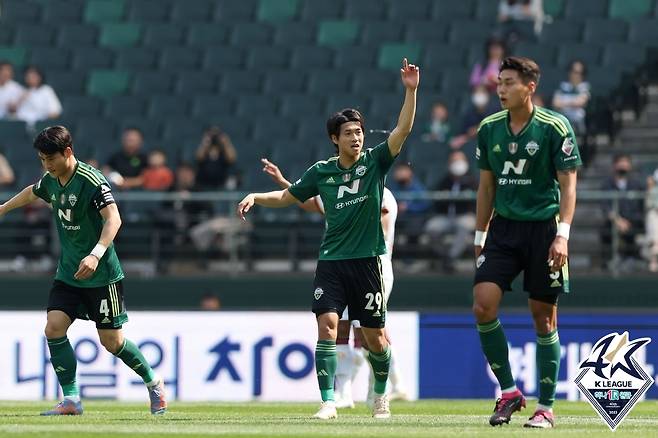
(275, 173)
(277, 199)
(23, 198)
(484, 208)
(410, 75)
(111, 225)
(559, 250)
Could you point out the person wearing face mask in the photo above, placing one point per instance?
(481, 106)
(454, 219)
(629, 220)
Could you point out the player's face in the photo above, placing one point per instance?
(56, 164)
(512, 92)
(350, 140)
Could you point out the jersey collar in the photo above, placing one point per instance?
(525, 127)
(75, 171)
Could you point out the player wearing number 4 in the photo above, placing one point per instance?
(88, 282)
(528, 159)
(351, 187)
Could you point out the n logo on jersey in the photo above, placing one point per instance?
(353, 189)
(65, 214)
(517, 168)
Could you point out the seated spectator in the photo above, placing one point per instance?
(454, 219)
(652, 220)
(481, 106)
(210, 301)
(572, 96)
(10, 90)
(405, 182)
(7, 177)
(485, 72)
(216, 157)
(157, 176)
(439, 128)
(520, 19)
(629, 220)
(39, 101)
(124, 168)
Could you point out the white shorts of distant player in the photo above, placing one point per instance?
(387, 273)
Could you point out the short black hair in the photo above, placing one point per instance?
(53, 139)
(38, 71)
(527, 68)
(577, 61)
(621, 156)
(344, 116)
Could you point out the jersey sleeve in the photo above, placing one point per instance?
(481, 154)
(382, 155)
(306, 186)
(40, 189)
(564, 147)
(102, 197)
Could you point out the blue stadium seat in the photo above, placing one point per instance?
(241, 81)
(295, 34)
(400, 11)
(322, 81)
(296, 105)
(268, 58)
(48, 58)
(426, 32)
(643, 32)
(562, 31)
(449, 11)
(375, 81)
(377, 32)
(223, 58)
(312, 57)
(543, 54)
(34, 35)
(463, 32)
(212, 106)
(77, 35)
(356, 57)
(20, 11)
(81, 106)
(159, 35)
(148, 83)
(136, 58)
(586, 9)
(197, 83)
(372, 9)
(624, 56)
(118, 107)
(168, 105)
(231, 11)
(193, 11)
(279, 128)
(439, 56)
(67, 81)
(67, 12)
(252, 34)
(317, 11)
(149, 11)
(88, 58)
(588, 53)
(605, 30)
(180, 59)
(285, 82)
(261, 104)
(208, 34)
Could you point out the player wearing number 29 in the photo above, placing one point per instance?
(528, 158)
(88, 280)
(349, 272)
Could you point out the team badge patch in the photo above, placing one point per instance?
(531, 148)
(513, 147)
(567, 146)
(346, 177)
(361, 170)
(612, 379)
(318, 293)
(72, 200)
(480, 261)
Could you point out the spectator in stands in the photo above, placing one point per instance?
(572, 96)
(481, 106)
(629, 220)
(485, 72)
(124, 168)
(405, 182)
(454, 219)
(7, 177)
(38, 101)
(10, 90)
(439, 128)
(216, 157)
(520, 19)
(652, 220)
(157, 176)
(210, 301)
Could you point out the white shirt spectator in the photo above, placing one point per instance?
(39, 104)
(10, 92)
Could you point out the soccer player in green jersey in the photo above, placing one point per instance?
(348, 273)
(88, 282)
(528, 159)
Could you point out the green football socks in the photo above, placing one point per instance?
(494, 346)
(381, 363)
(63, 360)
(325, 367)
(548, 366)
(131, 356)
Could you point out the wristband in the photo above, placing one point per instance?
(98, 251)
(563, 229)
(480, 237)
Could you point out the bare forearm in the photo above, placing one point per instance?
(109, 231)
(23, 198)
(567, 180)
(405, 123)
(484, 207)
(276, 199)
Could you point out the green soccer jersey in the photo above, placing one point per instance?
(76, 210)
(352, 201)
(525, 165)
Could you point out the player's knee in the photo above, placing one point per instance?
(377, 341)
(483, 313)
(112, 344)
(54, 330)
(544, 324)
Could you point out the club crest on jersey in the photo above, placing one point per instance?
(318, 293)
(62, 199)
(346, 177)
(361, 170)
(513, 147)
(72, 200)
(567, 146)
(531, 148)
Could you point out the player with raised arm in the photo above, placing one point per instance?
(348, 273)
(350, 359)
(88, 282)
(526, 199)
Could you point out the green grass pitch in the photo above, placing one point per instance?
(433, 418)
